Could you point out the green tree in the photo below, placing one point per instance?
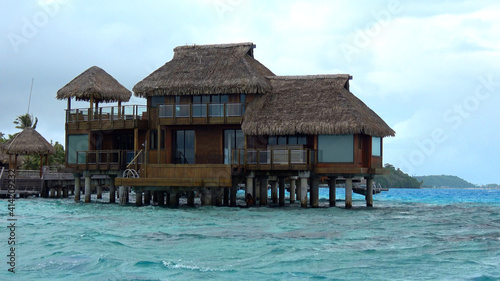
(26, 121)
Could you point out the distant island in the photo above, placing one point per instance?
(399, 179)
(444, 181)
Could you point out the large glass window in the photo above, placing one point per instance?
(156, 100)
(233, 139)
(287, 140)
(77, 143)
(336, 148)
(184, 152)
(376, 146)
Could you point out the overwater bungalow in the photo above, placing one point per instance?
(216, 119)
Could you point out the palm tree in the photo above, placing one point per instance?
(26, 121)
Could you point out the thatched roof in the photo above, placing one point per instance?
(320, 104)
(28, 142)
(97, 83)
(207, 69)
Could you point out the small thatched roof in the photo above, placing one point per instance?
(208, 69)
(97, 83)
(28, 142)
(320, 104)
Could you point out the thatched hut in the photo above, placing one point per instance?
(312, 105)
(206, 70)
(27, 142)
(94, 85)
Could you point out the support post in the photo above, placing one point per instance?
(263, 191)
(112, 190)
(304, 176)
(274, 189)
(298, 189)
(281, 191)
(315, 192)
(138, 198)
(161, 198)
(369, 192)
(52, 192)
(348, 193)
(256, 189)
(226, 196)
(155, 196)
(65, 192)
(332, 185)
(59, 192)
(174, 200)
(292, 190)
(249, 198)
(77, 187)
(88, 191)
(99, 191)
(190, 198)
(233, 192)
(206, 197)
(147, 197)
(123, 190)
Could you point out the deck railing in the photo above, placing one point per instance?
(107, 113)
(201, 110)
(270, 159)
(110, 159)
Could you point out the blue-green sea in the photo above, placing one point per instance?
(410, 234)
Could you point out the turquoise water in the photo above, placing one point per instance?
(425, 234)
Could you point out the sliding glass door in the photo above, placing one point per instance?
(184, 147)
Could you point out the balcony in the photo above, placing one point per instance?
(107, 118)
(202, 113)
(111, 160)
(274, 159)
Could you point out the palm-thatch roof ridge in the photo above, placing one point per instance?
(316, 104)
(28, 142)
(208, 69)
(97, 83)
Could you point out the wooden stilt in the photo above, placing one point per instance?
(77, 187)
(292, 190)
(99, 191)
(174, 200)
(314, 192)
(206, 197)
(190, 198)
(369, 192)
(112, 190)
(161, 198)
(348, 193)
(274, 191)
(138, 198)
(234, 191)
(147, 197)
(155, 196)
(332, 185)
(304, 176)
(256, 189)
(52, 192)
(298, 189)
(250, 199)
(88, 191)
(59, 192)
(263, 191)
(123, 194)
(226, 196)
(281, 191)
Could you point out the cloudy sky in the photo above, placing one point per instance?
(431, 71)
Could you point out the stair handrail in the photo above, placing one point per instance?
(133, 160)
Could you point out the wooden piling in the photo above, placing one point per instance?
(123, 194)
(226, 196)
(348, 193)
(147, 197)
(332, 185)
(112, 190)
(249, 190)
(263, 191)
(281, 182)
(292, 190)
(190, 198)
(303, 192)
(77, 187)
(233, 192)
(314, 192)
(369, 192)
(274, 191)
(88, 190)
(138, 198)
(174, 200)
(99, 191)
(161, 198)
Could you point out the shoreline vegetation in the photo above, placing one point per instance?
(399, 179)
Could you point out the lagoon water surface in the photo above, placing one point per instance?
(421, 234)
